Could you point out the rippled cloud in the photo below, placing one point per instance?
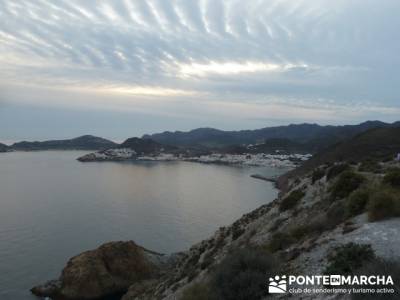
(338, 60)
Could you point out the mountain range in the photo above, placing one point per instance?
(308, 137)
(293, 138)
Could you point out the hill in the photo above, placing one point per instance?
(129, 149)
(314, 137)
(374, 144)
(270, 146)
(85, 142)
(145, 146)
(3, 148)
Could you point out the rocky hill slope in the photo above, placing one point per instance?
(374, 144)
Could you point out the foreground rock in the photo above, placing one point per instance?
(107, 270)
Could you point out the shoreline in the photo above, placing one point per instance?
(260, 159)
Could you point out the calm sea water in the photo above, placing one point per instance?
(53, 207)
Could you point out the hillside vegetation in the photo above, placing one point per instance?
(377, 144)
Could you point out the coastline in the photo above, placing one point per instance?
(261, 159)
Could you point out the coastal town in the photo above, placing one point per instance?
(260, 159)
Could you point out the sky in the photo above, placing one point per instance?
(122, 68)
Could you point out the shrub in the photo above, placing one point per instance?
(317, 174)
(347, 182)
(383, 204)
(387, 158)
(335, 215)
(314, 227)
(208, 259)
(356, 202)
(237, 231)
(300, 232)
(348, 258)
(392, 177)
(242, 274)
(381, 267)
(336, 170)
(280, 241)
(277, 224)
(370, 165)
(291, 200)
(197, 291)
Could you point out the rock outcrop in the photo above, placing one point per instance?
(107, 270)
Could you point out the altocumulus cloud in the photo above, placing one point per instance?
(249, 61)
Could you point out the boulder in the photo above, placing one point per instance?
(107, 270)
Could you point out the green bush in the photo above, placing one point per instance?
(347, 182)
(317, 174)
(384, 204)
(335, 215)
(300, 232)
(381, 267)
(198, 291)
(348, 258)
(242, 275)
(356, 202)
(291, 200)
(387, 158)
(392, 177)
(370, 165)
(336, 170)
(280, 241)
